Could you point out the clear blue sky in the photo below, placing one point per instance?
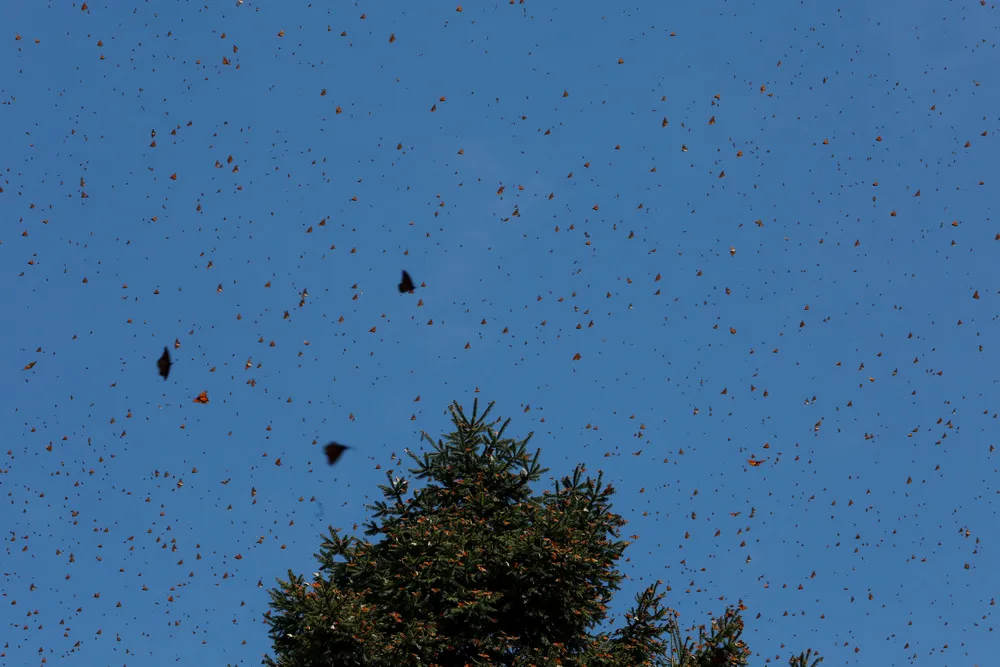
(722, 300)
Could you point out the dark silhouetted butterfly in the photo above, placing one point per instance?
(164, 364)
(334, 451)
(407, 284)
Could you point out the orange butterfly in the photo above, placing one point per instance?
(754, 462)
(201, 398)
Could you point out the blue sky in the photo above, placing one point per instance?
(811, 282)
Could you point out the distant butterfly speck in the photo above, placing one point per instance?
(164, 364)
(407, 284)
(334, 451)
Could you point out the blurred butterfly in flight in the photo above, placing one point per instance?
(164, 364)
(407, 284)
(334, 451)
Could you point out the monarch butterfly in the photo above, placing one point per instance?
(407, 284)
(163, 363)
(754, 462)
(334, 451)
(201, 398)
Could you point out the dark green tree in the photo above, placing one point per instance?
(473, 569)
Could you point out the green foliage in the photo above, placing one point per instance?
(473, 569)
(802, 660)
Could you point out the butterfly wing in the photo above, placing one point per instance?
(164, 364)
(334, 451)
(407, 284)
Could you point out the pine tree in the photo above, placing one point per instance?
(473, 569)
